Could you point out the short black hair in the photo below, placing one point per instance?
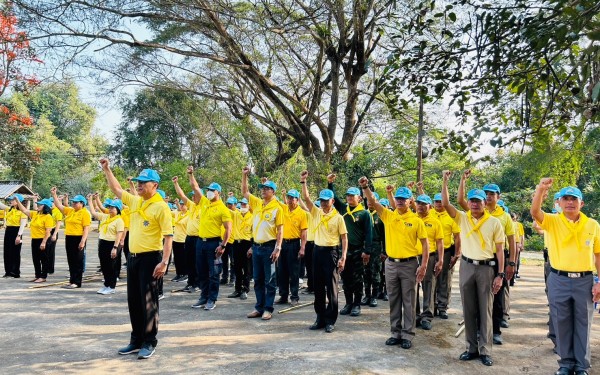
(46, 210)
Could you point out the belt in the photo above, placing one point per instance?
(145, 253)
(291, 240)
(268, 243)
(572, 275)
(240, 241)
(486, 262)
(211, 239)
(327, 247)
(401, 260)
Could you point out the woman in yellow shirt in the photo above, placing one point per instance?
(179, 230)
(77, 226)
(41, 226)
(15, 222)
(111, 230)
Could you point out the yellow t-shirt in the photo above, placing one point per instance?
(402, 233)
(505, 220)
(75, 221)
(13, 217)
(571, 246)
(39, 224)
(149, 222)
(57, 215)
(242, 226)
(449, 227)
(310, 233)
(193, 223)
(491, 231)
(329, 227)
(293, 222)
(231, 239)
(109, 227)
(180, 226)
(212, 217)
(434, 230)
(125, 212)
(266, 219)
(519, 231)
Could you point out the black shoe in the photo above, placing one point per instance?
(373, 302)
(443, 315)
(235, 295)
(188, 288)
(223, 282)
(365, 301)
(244, 295)
(308, 291)
(329, 328)
(316, 325)
(380, 295)
(346, 310)
(393, 341)
(355, 311)
(486, 360)
(497, 339)
(418, 322)
(200, 304)
(176, 278)
(281, 301)
(129, 349)
(385, 297)
(435, 311)
(466, 356)
(563, 371)
(405, 344)
(504, 323)
(426, 325)
(146, 352)
(581, 372)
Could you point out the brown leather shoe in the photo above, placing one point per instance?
(254, 314)
(267, 315)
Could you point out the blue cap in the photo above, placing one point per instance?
(77, 198)
(571, 191)
(506, 209)
(231, 200)
(147, 175)
(181, 202)
(214, 186)
(45, 202)
(114, 203)
(293, 193)
(557, 196)
(403, 192)
(476, 194)
(492, 187)
(18, 196)
(501, 203)
(172, 206)
(161, 193)
(51, 199)
(326, 194)
(437, 197)
(554, 211)
(191, 194)
(244, 201)
(268, 184)
(384, 202)
(106, 202)
(317, 203)
(424, 199)
(353, 191)
(376, 196)
(238, 206)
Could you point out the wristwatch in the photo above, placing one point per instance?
(501, 274)
(512, 264)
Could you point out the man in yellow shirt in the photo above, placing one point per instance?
(267, 231)
(150, 243)
(519, 240)
(573, 242)
(481, 237)
(403, 230)
(242, 247)
(330, 233)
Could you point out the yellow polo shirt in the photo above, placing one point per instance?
(212, 217)
(193, 223)
(402, 233)
(242, 226)
(75, 221)
(505, 220)
(125, 213)
(57, 215)
(449, 227)
(180, 226)
(39, 224)
(149, 222)
(329, 227)
(491, 231)
(110, 227)
(293, 222)
(434, 230)
(231, 239)
(310, 233)
(571, 246)
(13, 218)
(266, 219)
(519, 231)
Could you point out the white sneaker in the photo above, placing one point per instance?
(109, 290)
(101, 290)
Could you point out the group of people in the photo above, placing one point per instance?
(412, 243)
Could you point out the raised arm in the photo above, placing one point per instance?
(390, 196)
(445, 196)
(193, 182)
(131, 185)
(245, 191)
(541, 190)
(420, 189)
(178, 190)
(113, 183)
(462, 187)
(57, 201)
(23, 209)
(337, 202)
(363, 183)
(305, 195)
(90, 198)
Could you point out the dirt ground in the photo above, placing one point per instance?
(53, 330)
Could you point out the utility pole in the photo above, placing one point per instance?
(420, 134)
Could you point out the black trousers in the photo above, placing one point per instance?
(190, 256)
(353, 276)
(125, 248)
(180, 258)
(12, 252)
(226, 260)
(241, 265)
(308, 262)
(51, 251)
(107, 263)
(40, 258)
(326, 277)
(75, 259)
(288, 269)
(498, 306)
(142, 297)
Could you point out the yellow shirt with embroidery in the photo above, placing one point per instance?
(329, 227)
(193, 223)
(266, 219)
(449, 227)
(403, 232)
(434, 230)
(571, 246)
(293, 222)
(13, 218)
(180, 226)
(242, 226)
(75, 221)
(147, 227)
(57, 215)
(310, 233)
(491, 230)
(109, 227)
(212, 217)
(39, 224)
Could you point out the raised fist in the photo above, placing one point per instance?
(389, 188)
(467, 174)
(420, 185)
(129, 178)
(331, 177)
(104, 163)
(190, 169)
(263, 180)
(303, 175)
(53, 190)
(363, 182)
(230, 194)
(175, 180)
(446, 175)
(546, 183)
(246, 170)
(410, 185)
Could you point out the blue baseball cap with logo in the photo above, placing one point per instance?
(214, 186)
(326, 195)
(317, 203)
(476, 194)
(423, 198)
(353, 191)
(161, 193)
(244, 201)
(117, 203)
(557, 196)
(403, 192)
(437, 197)
(79, 198)
(571, 191)
(45, 202)
(147, 175)
(18, 196)
(492, 187)
(231, 200)
(376, 196)
(268, 184)
(293, 193)
(384, 202)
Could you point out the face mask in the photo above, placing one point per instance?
(210, 195)
(244, 210)
(557, 207)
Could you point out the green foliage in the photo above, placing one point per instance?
(535, 242)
